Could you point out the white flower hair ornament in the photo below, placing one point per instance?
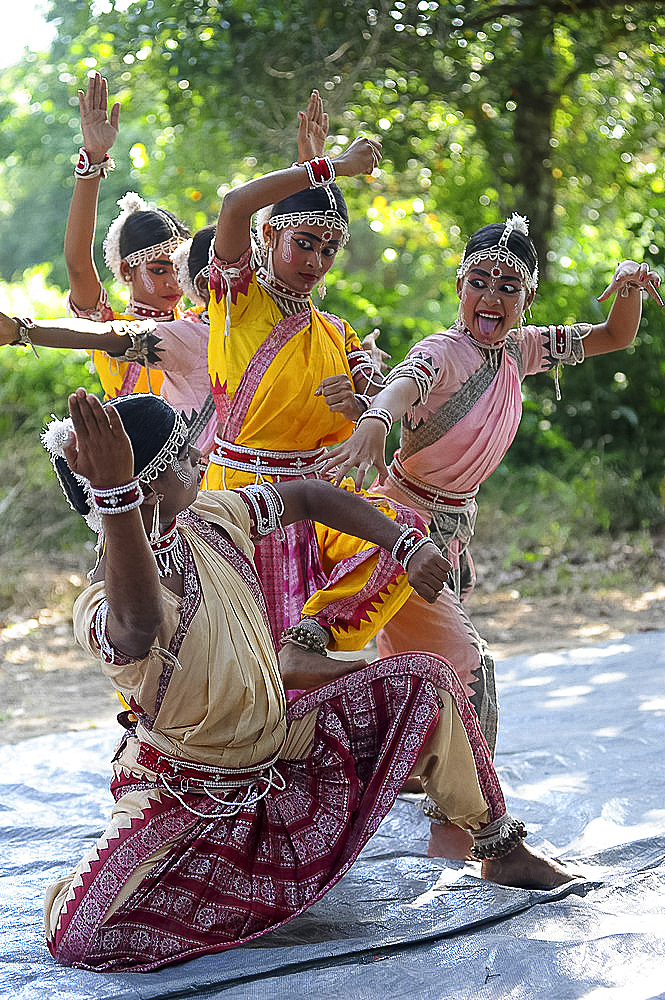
(77, 489)
(128, 204)
(180, 259)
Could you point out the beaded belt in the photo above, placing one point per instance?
(239, 789)
(430, 496)
(270, 463)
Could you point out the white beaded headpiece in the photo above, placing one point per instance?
(186, 283)
(129, 204)
(500, 252)
(329, 220)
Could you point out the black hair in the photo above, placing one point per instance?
(199, 252)
(518, 243)
(149, 227)
(148, 421)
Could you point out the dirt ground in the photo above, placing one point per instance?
(47, 684)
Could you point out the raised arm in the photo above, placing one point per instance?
(618, 331)
(102, 452)
(232, 237)
(99, 133)
(366, 448)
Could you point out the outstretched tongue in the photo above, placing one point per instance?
(487, 324)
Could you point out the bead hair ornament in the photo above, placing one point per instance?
(329, 219)
(129, 204)
(501, 252)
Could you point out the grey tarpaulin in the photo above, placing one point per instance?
(580, 757)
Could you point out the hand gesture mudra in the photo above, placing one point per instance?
(99, 449)
(631, 274)
(99, 129)
(361, 157)
(313, 129)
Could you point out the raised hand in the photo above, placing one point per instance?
(361, 157)
(99, 129)
(99, 449)
(313, 129)
(378, 356)
(630, 274)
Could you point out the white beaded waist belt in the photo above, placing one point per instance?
(271, 463)
(427, 495)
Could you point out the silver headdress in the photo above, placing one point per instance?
(500, 252)
(129, 204)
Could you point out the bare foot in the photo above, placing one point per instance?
(449, 841)
(525, 868)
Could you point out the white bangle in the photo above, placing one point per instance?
(377, 413)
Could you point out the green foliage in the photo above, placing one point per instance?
(554, 109)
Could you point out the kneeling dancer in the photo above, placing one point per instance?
(232, 813)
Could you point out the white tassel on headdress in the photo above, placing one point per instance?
(516, 223)
(55, 437)
(128, 204)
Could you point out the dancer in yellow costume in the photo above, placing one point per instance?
(280, 371)
(137, 249)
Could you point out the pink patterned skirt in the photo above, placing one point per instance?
(228, 880)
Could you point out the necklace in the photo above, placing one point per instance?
(140, 309)
(169, 551)
(288, 299)
(490, 352)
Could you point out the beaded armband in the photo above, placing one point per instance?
(308, 634)
(377, 413)
(118, 499)
(320, 171)
(408, 543)
(265, 505)
(420, 370)
(23, 327)
(85, 168)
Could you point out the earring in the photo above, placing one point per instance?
(459, 321)
(321, 288)
(269, 267)
(154, 530)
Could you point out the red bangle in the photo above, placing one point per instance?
(118, 499)
(320, 171)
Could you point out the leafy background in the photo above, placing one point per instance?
(552, 109)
